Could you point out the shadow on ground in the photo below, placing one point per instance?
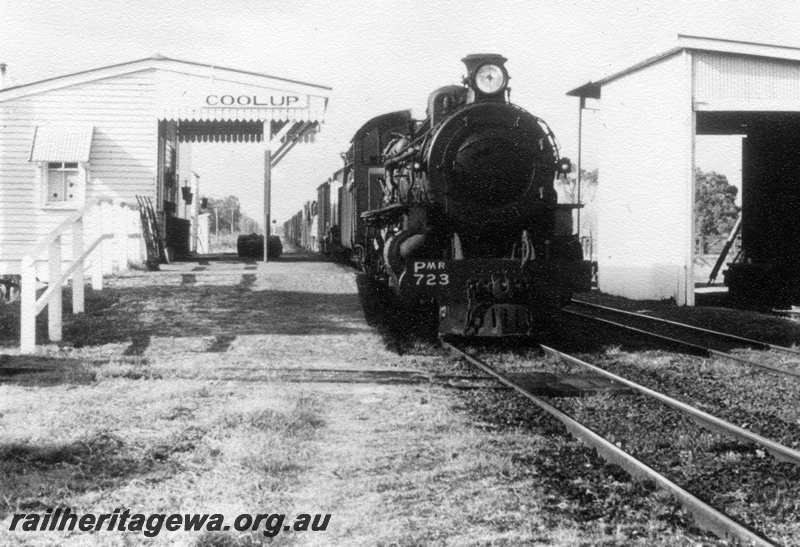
(43, 476)
(288, 256)
(405, 329)
(136, 315)
(402, 328)
(27, 370)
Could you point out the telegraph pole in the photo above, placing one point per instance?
(581, 106)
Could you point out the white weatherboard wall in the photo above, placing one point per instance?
(647, 183)
(122, 161)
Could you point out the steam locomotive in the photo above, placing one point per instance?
(458, 212)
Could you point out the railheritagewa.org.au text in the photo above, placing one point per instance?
(150, 525)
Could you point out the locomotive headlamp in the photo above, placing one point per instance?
(490, 78)
(486, 77)
(564, 166)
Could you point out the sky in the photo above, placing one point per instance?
(380, 56)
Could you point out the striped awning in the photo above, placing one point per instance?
(61, 144)
(220, 131)
(244, 131)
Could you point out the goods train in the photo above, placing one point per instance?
(458, 212)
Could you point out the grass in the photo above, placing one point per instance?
(164, 402)
(154, 447)
(396, 466)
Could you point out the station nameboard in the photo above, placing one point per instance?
(225, 95)
(256, 100)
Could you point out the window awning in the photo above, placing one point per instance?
(61, 144)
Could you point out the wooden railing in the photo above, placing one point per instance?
(30, 305)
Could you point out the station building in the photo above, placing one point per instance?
(652, 113)
(116, 132)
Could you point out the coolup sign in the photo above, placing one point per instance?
(229, 96)
(260, 100)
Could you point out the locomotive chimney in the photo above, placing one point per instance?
(474, 60)
(487, 77)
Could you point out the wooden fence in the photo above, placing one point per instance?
(97, 237)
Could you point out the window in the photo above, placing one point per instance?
(62, 156)
(64, 183)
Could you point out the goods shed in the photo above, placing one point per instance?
(116, 132)
(652, 113)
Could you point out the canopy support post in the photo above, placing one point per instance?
(267, 199)
(270, 142)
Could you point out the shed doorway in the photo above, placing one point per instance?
(766, 271)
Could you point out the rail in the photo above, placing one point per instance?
(700, 350)
(754, 343)
(30, 305)
(706, 516)
(779, 451)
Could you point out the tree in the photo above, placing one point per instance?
(568, 185)
(715, 209)
(231, 217)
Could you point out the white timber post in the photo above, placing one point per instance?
(271, 142)
(132, 240)
(267, 139)
(100, 251)
(28, 306)
(267, 199)
(97, 269)
(54, 307)
(52, 298)
(78, 292)
(120, 227)
(108, 246)
(690, 127)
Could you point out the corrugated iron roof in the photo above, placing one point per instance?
(64, 144)
(158, 57)
(592, 89)
(183, 90)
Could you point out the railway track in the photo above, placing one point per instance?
(600, 313)
(705, 515)
(755, 344)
